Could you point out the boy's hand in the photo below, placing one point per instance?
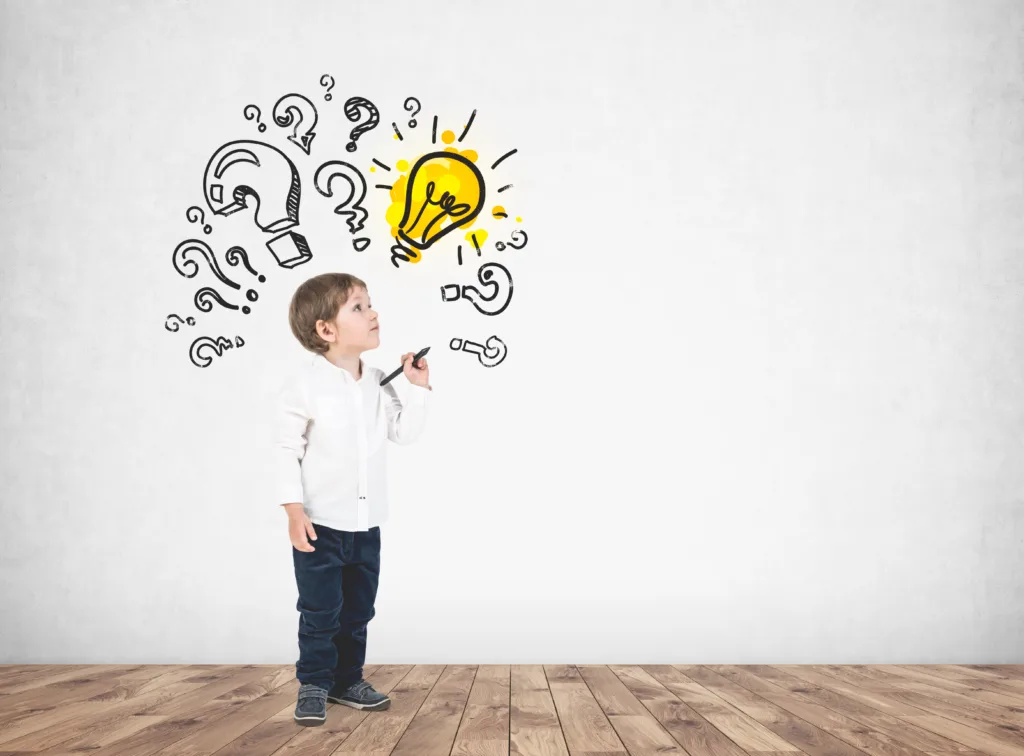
(418, 373)
(299, 526)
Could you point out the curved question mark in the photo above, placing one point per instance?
(501, 245)
(323, 83)
(451, 292)
(217, 346)
(191, 217)
(294, 109)
(408, 106)
(325, 176)
(250, 116)
(180, 260)
(207, 293)
(168, 322)
(237, 255)
(489, 356)
(352, 107)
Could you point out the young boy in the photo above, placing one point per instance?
(332, 421)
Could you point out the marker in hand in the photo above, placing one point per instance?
(398, 372)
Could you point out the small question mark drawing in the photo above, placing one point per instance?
(412, 115)
(352, 107)
(252, 112)
(323, 83)
(192, 217)
(501, 245)
(294, 109)
(237, 255)
(181, 264)
(490, 356)
(218, 347)
(485, 303)
(357, 214)
(177, 323)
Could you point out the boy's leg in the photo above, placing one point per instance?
(359, 579)
(318, 576)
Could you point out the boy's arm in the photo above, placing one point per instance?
(405, 422)
(291, 418)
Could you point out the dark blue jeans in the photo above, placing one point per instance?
(337, 588)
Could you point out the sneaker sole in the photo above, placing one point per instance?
(310, 721)
(364, 707)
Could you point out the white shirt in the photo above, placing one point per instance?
(329, 448)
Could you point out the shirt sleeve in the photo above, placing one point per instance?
(291, 418)
(406, 421)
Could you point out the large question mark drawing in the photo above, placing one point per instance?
(252, 112)
(298, 110)
(352, 108)
(189, 268)
(196, 215)
(324, 83)
(409, 106)
(489, 356)
(353, 203)
(218, 347)
(485, 303)
(251, 165)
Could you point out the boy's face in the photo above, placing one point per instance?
(354, 328)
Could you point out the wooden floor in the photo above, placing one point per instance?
(529, 710)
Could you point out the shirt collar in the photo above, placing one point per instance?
(321, 361)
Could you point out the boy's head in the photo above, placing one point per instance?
(331, 314)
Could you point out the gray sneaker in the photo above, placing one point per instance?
(311, 708)
(359, 696)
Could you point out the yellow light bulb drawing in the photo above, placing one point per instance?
(445, 190)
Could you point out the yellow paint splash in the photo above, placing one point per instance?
(448, 136)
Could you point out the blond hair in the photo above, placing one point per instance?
(319, 298)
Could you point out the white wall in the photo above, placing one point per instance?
(763, 397)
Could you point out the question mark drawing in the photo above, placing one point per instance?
(189, 268)
(356, 193)
(352, 107)
(242, 171)
(192, 217)
(237, 255)
(177, 323)
(296, 109)
(252, 112)
(501, 245)
(485, 303)
(412, 115)
(323, 83)
(218, 347)
(489, 356)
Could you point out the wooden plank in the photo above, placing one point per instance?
(694, 733)
(638, 729)
(534, 729)
(585, 727)
(432, 731)
(484, 730)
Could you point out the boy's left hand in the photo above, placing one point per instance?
(418, 373)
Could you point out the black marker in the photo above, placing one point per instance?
(418, 354)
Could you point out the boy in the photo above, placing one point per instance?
(332, 421)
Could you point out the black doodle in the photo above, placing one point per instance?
(182, 264)
(433, 132)
(412, 113)
(490, 356)
(468, 124)
(257, 164)
(397, 132)
(485, 303)
(401, 252)
(507, 186)
(352, 206)
(501, 245)
(324, 83)
(237, 255)
(508, 154)
(168, 323)
(222, 343)
(251, 112)
(353, 106)
(196, 215)
(298, 111)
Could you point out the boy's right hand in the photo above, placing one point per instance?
(299, 526)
